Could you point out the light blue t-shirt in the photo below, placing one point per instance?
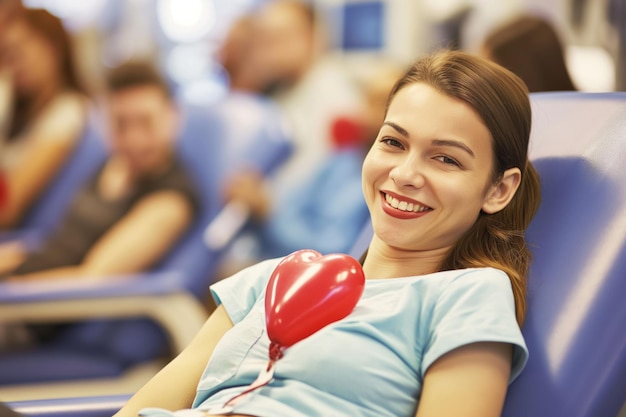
(373, 362)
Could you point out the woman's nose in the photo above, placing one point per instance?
(408, 173)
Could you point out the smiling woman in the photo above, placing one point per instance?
(436, 332)
(499, 100)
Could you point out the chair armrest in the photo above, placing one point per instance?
(104, 406)
(31, 238)
(147, 283)
(159, 296)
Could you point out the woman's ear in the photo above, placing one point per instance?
(501, 193)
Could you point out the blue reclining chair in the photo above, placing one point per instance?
(241, 132)
(575, 328)
(576, 313)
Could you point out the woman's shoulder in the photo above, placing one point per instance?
(446, 278)
(239, 292)
(68, 102)
(64, 117)
(482, 275)
(433, 288)
(474, 280)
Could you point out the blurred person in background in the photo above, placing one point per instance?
(42, 107)
(531, 48)
(8, 9)
(133, 210)
(288, 55)
(234, 55)
(4, 410)
(327, 212)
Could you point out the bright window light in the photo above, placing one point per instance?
(76, 13)
(186, 21)
(187, 62)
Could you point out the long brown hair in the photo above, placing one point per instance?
(531, 48)
(501, 100)
(50, 28)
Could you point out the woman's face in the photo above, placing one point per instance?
(428, 174)
(29, 57)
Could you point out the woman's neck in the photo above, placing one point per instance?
(384, 261)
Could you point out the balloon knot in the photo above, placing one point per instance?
(276, 351)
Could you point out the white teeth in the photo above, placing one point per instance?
(403, 205)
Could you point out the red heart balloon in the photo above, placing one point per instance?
(308, 291)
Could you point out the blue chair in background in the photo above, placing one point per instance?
(576, 311)
(576, 314)
(116, 350)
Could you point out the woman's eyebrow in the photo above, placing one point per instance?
(399, 129)
(435, 142)
(453, 143)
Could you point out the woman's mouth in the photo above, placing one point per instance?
(399, 207)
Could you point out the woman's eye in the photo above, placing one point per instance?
(391, 142)
(447, 160)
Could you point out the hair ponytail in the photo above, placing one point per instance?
(501, 240)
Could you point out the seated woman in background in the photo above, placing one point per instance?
(450, 191)
(530, 47)
(136, 206)
(42, 107)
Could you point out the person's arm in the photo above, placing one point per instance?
(174, 387)
(134, 243)
(50, 141)
(26, 181)
(12, 254)
(249, 188)
(470, 381)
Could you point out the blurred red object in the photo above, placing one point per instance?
(347, 132)
(4, 191)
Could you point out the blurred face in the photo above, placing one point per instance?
(283, 43)
(144, 125)
(29, 57)
(428, 174)
(8, 9)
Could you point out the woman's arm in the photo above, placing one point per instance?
(174, 387)
(135, 242)
(12, 254)
(470, 381)
(26, 181)
(50, 141)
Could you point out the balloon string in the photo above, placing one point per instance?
(263, 379)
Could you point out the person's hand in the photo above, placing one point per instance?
(249, 188)
(12, 254)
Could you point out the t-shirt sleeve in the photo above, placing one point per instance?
(477, 306)
(240, 292)
(177, 180)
